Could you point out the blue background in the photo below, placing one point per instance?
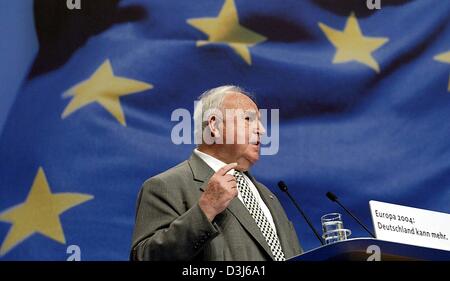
(343, 127)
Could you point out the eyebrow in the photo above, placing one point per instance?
(251, 113)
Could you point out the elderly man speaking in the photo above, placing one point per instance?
(210, 207)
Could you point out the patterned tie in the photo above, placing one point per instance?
(258, 215)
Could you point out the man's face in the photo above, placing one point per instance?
(242, 129)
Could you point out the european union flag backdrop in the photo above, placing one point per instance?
(364, 100)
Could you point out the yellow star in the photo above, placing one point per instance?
(352, 45)
(39, 213)
(106, 89)
(444, 57)
(225, 28)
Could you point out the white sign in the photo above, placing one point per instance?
(411, 226)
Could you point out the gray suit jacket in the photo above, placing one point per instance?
(171, 226)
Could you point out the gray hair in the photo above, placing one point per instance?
(207, 103)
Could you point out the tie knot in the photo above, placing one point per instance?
(237, 174)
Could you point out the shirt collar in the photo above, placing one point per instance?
(212, 161)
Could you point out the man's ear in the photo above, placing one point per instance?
(213, 124)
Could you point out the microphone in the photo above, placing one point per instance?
(334, 198)
(284, 188)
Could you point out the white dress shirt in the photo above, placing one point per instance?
(216, 164)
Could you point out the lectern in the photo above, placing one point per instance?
(363, 249)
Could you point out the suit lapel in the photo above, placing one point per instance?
(200, 170)
(243, 216)
(201, 174)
